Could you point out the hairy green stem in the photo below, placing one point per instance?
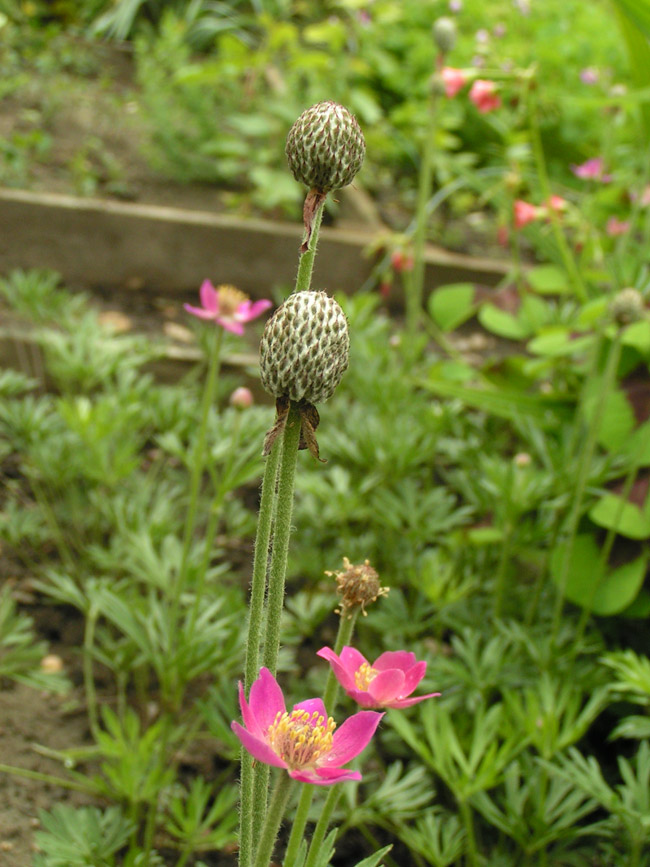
(322, 825)
(306, 265)
(346, 628)
(281, 534)
(274, 816)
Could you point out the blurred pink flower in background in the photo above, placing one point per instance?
(484, 95)
(616, 227)
(227, 306)
(241, 398)
(592, 170)
(386, 683)
(524, 213)
(455, 5)
(304, 740)
(453, 79)
(556, 203)
(589, 75)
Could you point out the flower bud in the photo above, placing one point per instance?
(325, 147)
(444, 34)
(304, 349)
(627, 306)
(241, 398)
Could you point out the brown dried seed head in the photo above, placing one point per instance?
(358, 586)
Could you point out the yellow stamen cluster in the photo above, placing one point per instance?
(364, 675)
(300, 738)
(230, 298)
(357, 586)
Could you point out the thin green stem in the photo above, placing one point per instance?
(322, 825)
(306, 264)
(502, 570)
(87, 665)
(346, 628)
(198, 464)
(584, 466)
(542, 172)
(415, 279)
(281, 534)
(49, 779)
(277, 807)
(468, 822)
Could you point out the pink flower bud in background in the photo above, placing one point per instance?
(455, 5)
(484, 95)
(556, 203)
(592, 170)
(589, 75)
(241, 398)
(616, 227)
(454, 80)
(401, 261)
(524, 213)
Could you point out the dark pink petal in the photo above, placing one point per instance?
(199, 311)
(387, 686)
(362, 698)
(257, 748)
(353, 737)
(343, 674)
(209, 296)
(407, 702)
(266, 699)
(250, 723)
(230, 325)
(395, 659)
(312, 705)
(413, 676)
(325, 776)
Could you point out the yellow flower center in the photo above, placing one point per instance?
(364, 675)
(301, 738)
(229, 299)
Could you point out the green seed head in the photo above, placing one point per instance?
(444, 34)
(627, 306)
(325, 147)
(304, 349)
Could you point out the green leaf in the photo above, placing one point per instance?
(557, 341)
(614, 513)
(612, 594)
(373, 860)
(637, 335)
(548, 280)
(503, 324)
(617, 419)
(452, 305)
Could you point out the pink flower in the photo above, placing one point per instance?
(616, 227)
(454, 80)
(524, 213)
(227, 306)
(589, 75)
(484, 95)
(556, 203)
(241, 398)
(385, 683)
(591, 170)
(302, 741)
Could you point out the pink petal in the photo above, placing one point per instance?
(395, 659)
(250, 723)
(407, 702)
(312, 705)
(199, 311)
(343, 674)
(230, 325)
(352, 659)
(266, 699)
(413, 676)
(352, 737)
(362, 698)
(252, 309)
(387, 686)
(257, 748)
(325, 776)
(209, 296)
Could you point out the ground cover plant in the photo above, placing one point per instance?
(488, 515)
